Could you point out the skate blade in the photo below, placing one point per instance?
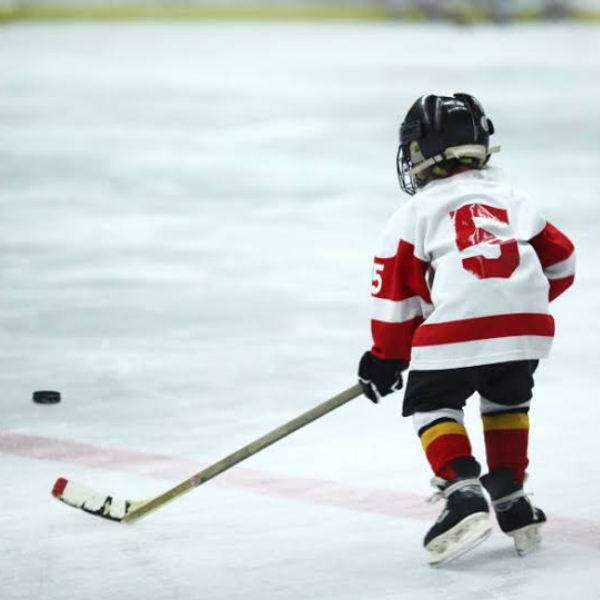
(464, 536)
(527, 538)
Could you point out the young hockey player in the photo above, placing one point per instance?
(462, 281)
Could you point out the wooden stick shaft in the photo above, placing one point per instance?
(243, 453)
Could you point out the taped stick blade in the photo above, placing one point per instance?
(92, 502)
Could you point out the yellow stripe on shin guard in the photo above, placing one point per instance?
(506, 421)
(446, 428)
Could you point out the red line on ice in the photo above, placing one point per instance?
(317, 491)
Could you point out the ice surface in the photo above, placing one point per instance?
(187, 220)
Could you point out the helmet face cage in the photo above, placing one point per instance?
(406, 178)
(410, 132)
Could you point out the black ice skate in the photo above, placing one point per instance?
(516, 515)
(465, 521)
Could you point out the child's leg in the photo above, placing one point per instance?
(435, 400)
(464, 522)
(506, 432)
(506, 397)
(506, 391)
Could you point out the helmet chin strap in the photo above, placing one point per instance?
(467, 151)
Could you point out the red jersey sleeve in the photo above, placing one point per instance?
(400, 292)
(557, 257)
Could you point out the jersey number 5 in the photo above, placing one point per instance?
(468, 234)
(377, 278)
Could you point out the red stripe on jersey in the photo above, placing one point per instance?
(558, 286)
(483, 328)
(403, 275)
(552, 246)
(393, 340)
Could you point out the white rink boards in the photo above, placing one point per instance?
(188, 214)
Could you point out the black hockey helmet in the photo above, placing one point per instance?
(442, 131)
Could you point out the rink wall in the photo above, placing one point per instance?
(460, 11)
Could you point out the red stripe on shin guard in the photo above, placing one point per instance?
(443, 450)
(507, 448)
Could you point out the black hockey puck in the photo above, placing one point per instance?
(46, 397)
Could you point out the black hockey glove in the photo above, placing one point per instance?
(379, 377)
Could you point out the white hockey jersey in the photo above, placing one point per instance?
(464, 275)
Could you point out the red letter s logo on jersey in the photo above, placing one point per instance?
(468, 234)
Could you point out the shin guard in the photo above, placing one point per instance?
(444, 439)
(506, 435)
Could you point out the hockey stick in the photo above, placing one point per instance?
(129, 511)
